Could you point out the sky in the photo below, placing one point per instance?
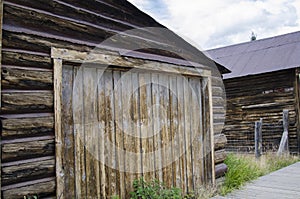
(211, 24)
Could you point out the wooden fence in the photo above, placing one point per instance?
(117, 124)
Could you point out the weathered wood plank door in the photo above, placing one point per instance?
(120, 124)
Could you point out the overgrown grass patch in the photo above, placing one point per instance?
(244, 168)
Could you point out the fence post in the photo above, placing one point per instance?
(284, 140)
(258, 138)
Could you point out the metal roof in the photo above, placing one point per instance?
(260, 56)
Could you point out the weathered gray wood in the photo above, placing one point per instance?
(1, 24)
(26, 78)
(242, 111)
(181, 132)
(27, 101)
(127, 62)
(27, 171)
(157, 127)
(27, 126)
(42, 188)
(102, 135)
(258, 138)
(58, 130)
(220, 156)
(68, 132)
(120, 174)
(211, 129)
(220, 141)
(23, 150)
(26, 59)
(284, 146)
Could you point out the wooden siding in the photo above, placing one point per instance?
(261, 96)
(100, 115)
(30, 29)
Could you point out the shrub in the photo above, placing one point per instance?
(153, 190)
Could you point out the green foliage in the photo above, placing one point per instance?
(244, 168)
(115, 197)
(153, 190)
(240, 170)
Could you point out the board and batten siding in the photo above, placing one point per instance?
(29, 30)
(261, 96)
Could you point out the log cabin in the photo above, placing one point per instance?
(264, 81)
(48, 95)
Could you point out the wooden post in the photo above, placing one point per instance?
(58, 134)
(211, 130)
(258, 138)
(284, 147)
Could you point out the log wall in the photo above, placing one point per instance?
(30, 29)
(261, 96)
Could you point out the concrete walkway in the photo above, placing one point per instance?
(283, 184)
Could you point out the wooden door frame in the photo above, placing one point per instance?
(60, 56)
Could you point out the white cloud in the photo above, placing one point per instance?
(217, 22)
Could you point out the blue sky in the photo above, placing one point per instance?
(216, 23)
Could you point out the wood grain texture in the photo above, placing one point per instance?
(1, 25)
(24, 150)
(30, 29)
(27, 127)
(58, 130)
(68, 132)
(247, 104)
(27, 171)
(42, 188)
(26, 102)
(26, 78)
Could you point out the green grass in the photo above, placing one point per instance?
(244, 168)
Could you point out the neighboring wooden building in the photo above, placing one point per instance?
(43, 44)
(263, 82)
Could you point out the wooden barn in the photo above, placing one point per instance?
(264, 81)
(86, 108)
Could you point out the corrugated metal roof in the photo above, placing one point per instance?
(260, 56)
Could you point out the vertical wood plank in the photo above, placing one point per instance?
(119, 134)
(110, 131)
(164, 113)
(156, 127)
(102, 133)
(146, 126)
(187, 121)
(181, 132)
(136, 124)
(80, 182)
(150, 133)
(211, 125)
(90, 125)
(68, 132)
(196, 132)
(126, 85)
(175, 135)
(58, 134)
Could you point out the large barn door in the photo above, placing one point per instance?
(118, 125)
